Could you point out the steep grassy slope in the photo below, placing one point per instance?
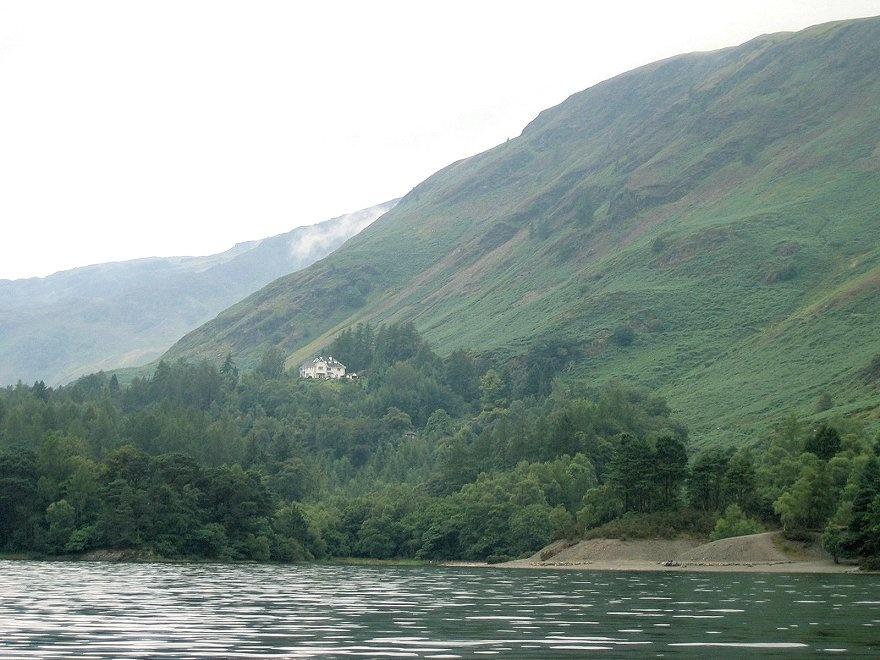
(706, 225)
(128, 313)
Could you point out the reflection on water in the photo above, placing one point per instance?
(102, 610)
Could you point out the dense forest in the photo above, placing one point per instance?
(422, 457)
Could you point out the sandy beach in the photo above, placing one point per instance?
(768, 552)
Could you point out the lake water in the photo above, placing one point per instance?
(117, 610)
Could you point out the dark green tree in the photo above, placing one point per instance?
(545, 360)
(41, 391)
(863, 536)
(125, 515)
(705, 483)
(670, 467)
(61, 522)
(397, 342)
(239, 502)
(18, 498)
(563, 437)
(740, 481)
(461, 375)
(810, 501)
(824, 442)
(632, 473)
(229, 371)
(354, 348)
(271, 363)
(295, 537)
(492, 391)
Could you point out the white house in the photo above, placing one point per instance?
(323, 368)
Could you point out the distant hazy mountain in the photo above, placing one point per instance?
(128, 313)
(706, 226)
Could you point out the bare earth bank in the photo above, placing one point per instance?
(767, 552)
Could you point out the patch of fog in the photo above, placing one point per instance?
(324, 237)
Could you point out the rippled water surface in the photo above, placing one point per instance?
(104, 610)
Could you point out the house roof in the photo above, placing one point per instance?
(329, 361)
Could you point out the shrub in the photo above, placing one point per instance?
(658, 525)
(871, 563)
(823, 403)
(734, 523)
(799, 535)
(833, 541)
(623, 335)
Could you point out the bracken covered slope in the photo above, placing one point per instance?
(706, 225)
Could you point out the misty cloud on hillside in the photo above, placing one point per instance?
(321, 238)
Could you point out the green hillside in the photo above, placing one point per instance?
(706, 226)
(126, 314)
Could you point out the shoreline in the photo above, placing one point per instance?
(817, 567)
(642, 566)
(766, 552)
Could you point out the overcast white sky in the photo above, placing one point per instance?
(134, 129)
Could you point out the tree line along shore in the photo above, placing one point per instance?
(463, 457)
